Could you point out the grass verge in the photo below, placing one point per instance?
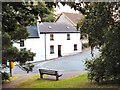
(80, 81)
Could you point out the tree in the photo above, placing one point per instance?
(102, 24)
(16, 16)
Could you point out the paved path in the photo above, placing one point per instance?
(23, 77)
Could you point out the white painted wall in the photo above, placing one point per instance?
(67, 46)
(37, 45)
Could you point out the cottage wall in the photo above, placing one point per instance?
(37, 45)
(67, 46)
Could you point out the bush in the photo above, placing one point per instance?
(96, 69)
(101, 71)
(28, 67)
(5, 76)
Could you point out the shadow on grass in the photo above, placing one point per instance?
(47, 79)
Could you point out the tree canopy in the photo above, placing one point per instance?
(102, 24)
(16, 16)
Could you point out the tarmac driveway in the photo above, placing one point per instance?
(70, 63)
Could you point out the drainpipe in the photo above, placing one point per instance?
(45, 46)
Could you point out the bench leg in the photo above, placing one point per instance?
(57, 78)
(41, 75)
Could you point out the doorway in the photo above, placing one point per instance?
(59, 51)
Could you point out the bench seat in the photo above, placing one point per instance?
(49, 72)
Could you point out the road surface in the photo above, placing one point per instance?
(69, 63)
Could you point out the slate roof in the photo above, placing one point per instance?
(56, 28)
(50, 28)
(72, 17)
(33, 32)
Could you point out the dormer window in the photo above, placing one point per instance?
(51, 37)
(67, 27)
(68, 36)
(49, 27)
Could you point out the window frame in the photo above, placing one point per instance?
(52, 49)
(75, 47)
(68, 36)
(22, 44)
(51, 37)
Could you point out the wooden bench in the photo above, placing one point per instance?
(49, 72)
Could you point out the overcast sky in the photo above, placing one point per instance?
(65, 8)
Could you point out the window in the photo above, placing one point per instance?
(75, 47)
(21, 43)
(51, 49)
(68, 36)
(51, 37)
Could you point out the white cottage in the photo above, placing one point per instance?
(52, 40)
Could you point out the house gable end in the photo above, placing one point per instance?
(72, 18)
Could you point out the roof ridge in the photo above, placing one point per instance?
(71, 13)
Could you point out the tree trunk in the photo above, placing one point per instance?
(10, 69)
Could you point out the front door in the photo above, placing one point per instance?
(59, 51)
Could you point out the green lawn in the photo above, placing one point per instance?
(75, 82)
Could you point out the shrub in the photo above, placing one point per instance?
(95, 69)
(5, 76)
(100, 71)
